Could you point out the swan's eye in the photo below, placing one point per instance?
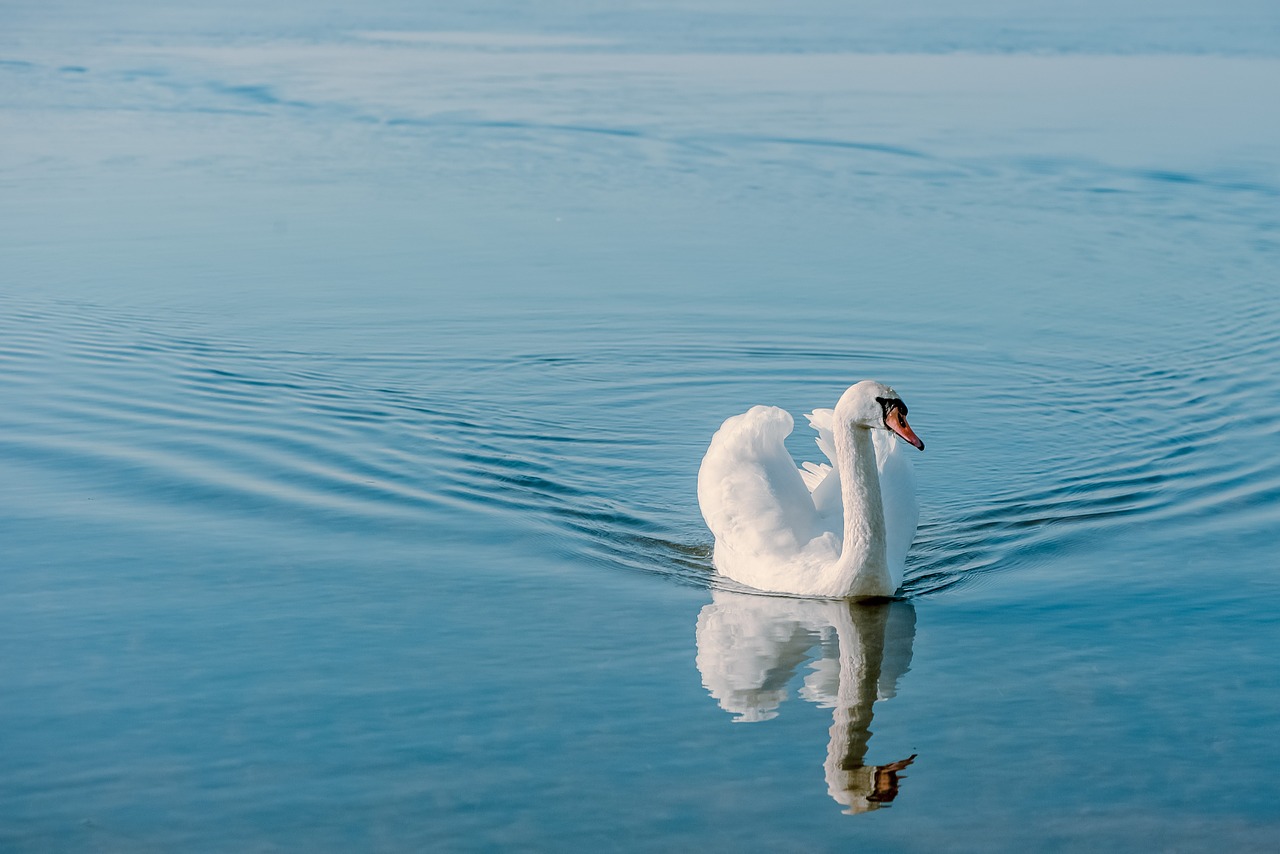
(888, 404)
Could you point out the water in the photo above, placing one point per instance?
(357, 365)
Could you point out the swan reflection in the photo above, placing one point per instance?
(750, 648)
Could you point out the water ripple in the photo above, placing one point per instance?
(172, 423)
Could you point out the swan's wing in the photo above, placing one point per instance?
(898, 494)
(813, 474)
(750, 491)
(821, 478)
(822, 421)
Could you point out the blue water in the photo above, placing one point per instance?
(356, 365)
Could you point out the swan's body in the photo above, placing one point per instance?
(838, 531)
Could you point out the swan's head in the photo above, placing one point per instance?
(876, 406)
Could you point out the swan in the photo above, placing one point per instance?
(837, 532)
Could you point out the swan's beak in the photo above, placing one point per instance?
(897, 422)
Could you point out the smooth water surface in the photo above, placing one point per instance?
(356, 366)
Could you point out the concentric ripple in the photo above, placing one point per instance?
(115, 417)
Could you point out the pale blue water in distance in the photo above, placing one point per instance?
(356, 366)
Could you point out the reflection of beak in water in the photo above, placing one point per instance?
(750, 647)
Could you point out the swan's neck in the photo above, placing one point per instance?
(863, 568)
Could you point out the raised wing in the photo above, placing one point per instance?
(750, 491)
(821, 478)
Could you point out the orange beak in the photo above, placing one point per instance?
(897, 422)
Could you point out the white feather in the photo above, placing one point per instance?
(780, 527)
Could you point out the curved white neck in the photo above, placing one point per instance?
(863, 568)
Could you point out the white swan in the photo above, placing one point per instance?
(832, 533)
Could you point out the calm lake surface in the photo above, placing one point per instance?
(356, 366)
